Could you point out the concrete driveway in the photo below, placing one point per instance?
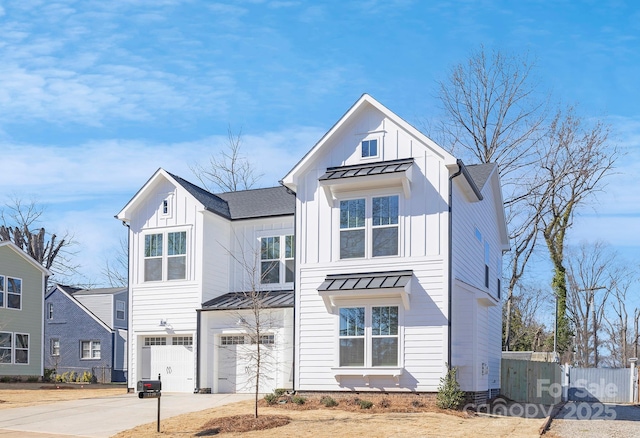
(103, 417)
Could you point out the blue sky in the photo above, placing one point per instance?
(95, 95)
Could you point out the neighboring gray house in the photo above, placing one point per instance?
(86, 330)
(22, 284)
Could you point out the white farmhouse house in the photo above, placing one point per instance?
(399, 249)
(385, 247)
(196, 263)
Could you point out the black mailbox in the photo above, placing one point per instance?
(149, 385)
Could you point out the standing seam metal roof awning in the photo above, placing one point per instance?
(387, 283)
(244, 300)
(380, 173)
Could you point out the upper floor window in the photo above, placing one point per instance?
(277, 258)
(369, 148)
(374, 220)
(120, 310)
(50, 311)
(10, 292)
(170, 259)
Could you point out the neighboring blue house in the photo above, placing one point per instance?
(86, 330)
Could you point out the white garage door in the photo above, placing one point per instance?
(174, 362)
(236, 368)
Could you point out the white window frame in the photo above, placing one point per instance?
(226, 340)
(182, 340)
(15, 348)
(377, 137)
(9, 348)
(165, 256)
(49, 311)
(3, 295)
(54, 344)
(7, 279)
(368, 333)
(166, 207)
(281, 261)
(123, 304)
(92, 349)
(368, 222)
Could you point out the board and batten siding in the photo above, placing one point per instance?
(476, 314)
(28, 320)
(423, 333)
(175, 301)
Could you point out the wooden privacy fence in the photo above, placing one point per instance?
(531, 382)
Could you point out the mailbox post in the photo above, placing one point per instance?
(151, 389)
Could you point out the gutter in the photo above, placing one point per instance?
(461, 170)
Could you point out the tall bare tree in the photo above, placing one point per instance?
(230, 170)
(589, 277)
(21, 225)
(527, 333)
(493, 113)
(620, 339)
(116, 268)
(575, 161)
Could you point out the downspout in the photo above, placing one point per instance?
(198, 338)
(129, 305)
(450, 285)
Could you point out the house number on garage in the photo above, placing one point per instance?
(168, 370)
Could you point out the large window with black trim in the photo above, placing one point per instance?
(369, 336)
(277, 254)
(165, 256)
(369, 227)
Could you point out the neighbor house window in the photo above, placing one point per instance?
(21, 349)
(486, 264)
(373, 220)
(6, 347)
(55, 347)
(170, 258)
(369, 148)
(277, 259)
(368, 336)
(50, 310)
(14, 293)
(120, 310)
(2, 288)
(90, 349)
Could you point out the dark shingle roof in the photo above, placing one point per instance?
(244, 204)
(380, 167)
(272, 201)
(242, 300)
(480, 173)
(210, 201)
(371, 280)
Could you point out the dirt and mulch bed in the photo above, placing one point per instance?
(21, 394)
(384, 418)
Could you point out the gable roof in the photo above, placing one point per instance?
(69, 291)
(363, 102)
(244, 204)
(99, 291)
(15, 248)
(480, 173)
(242, 300)
(255, 203)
